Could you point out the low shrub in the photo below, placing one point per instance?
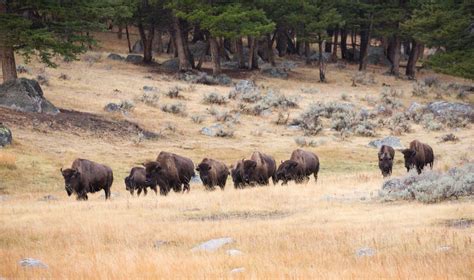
(150, 98)
(214, 98)
(174, 108)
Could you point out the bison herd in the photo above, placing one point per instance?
(173, 172)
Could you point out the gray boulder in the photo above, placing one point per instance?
(212, 244)
(205, 79)
(217, 130)
(288, 65)
(5, 136)
(137, 47)
(365, 252)
(234, 65)
(134, 58)
(112, 107)
(245, 86)
(275, 72)
(234, 252)
(171, 65)
(25, 95)
(114, 56)
(238, 270)
(391, 141)
(448, 110)
(30, 262)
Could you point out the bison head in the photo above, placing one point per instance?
(250, 171)
(385, 163)
(287, 170)
(72, 178)
(204, 172)
(410, 156)
(153, 170)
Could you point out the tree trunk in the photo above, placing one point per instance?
(253, 55)
(344, 43)
(328, 45)
(307, 52)
(394, 54)
(216, 62)
(184, 64)
(239, 48)
(201, 59)
(271, 56)
(128, 39)
(406, 48)
(120, 32)
(412, 58)
(322, 66)
(7, 56)
(158, 45)
(281, 42)
(147, 41)
(291, 47)
(364, 45)
(334, 49)
(300, 47)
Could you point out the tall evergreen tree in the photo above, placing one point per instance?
(46, 28)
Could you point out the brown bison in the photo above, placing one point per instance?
(418, 155)
(213, 173)
(386, 156)
(290, 170)
(259, 169)
(169, 171)
(237, 173)
(137, 181)
(299, 167)
(86, 176)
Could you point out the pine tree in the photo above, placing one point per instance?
(46, 28)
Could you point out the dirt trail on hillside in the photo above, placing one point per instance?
(78, 123)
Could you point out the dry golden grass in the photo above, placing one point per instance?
(297, 231)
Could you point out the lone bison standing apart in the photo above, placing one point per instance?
(213, 173)
(86, 176)
(386, 156)
(259, 169)
(299, 167)
(237, 173)
(169, 171)
(418, 155)
(137, 181)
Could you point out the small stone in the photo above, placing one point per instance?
(365, 252)
(134, 58)
(112, 107)
(150, 88)
(29, 262)
(48, 197)
(212, 244)
(159, 243)
(444, 248)
(115, 56)
(238, 270)
(392, 141)
(234, 252)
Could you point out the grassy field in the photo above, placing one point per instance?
(295, 231)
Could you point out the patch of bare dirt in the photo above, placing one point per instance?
(78, 123)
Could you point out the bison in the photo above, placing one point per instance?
(237, 173)
(169, 171)
(386, 156)
(86, 176)
(258, 169)
(418, 155)
(299, 167)
(213, 173)
(137, 181)
(290, 170)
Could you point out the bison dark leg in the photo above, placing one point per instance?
(154, 188)
(132, 190)
(145, 191)
(107, 193)
(139, 192)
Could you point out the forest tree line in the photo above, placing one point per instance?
(339, 29)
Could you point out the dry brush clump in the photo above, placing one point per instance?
(150, 98)
(389, 97)
(198, 119)
(305, 142)
(175, 108)
(420, 89)
(399, 124)
(174, 93)
(224, 116)
(214, 98)
(431, 186)
(363, 78)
